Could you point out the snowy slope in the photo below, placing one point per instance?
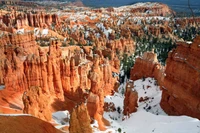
(148, 88)
(149, 118)
(145, 122)
(61, 117)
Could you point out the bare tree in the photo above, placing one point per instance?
(192, 13)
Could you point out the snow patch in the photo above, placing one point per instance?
(45, 32)
(2, 87)
(20, 31)
(61, 117)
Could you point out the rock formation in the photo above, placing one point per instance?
(59, 73)
(37, 103)
(85, 71)
(179, 80)
(15, 20)
(80, 120)
(156, 9)
(25, 124)
(182, 81)
(130, 101)
(147, 66)
(14, 52)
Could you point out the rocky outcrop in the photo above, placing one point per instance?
(182, 81)
(24, 42)
(122, 46)
(24, 124)
(49, 72)
(130, 101)
(183, 22)
(147, 66)
(37, 103)
(152, 9)
(14, 50)
(42, 20)
(95, 106)
(179, 80)
(22, 20)
(80, 120)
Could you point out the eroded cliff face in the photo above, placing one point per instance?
(157, 9)
(70, 76)
(14, 50)
(80, 120)
(182, 81)
(179, 80)
(147, 66)
(15, 20)
(37, 103)
(130, 101)
(54, 74)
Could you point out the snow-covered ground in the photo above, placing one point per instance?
(148, 88)
(61, 117)
(149, 118)
(2, 87)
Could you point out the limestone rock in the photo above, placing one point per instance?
(147, 66)
(182, 81)
(24, 124)
(80, 120)
(37, 103)
(130, 101)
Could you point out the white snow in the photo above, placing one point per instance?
(20, 31)
(2, 87)
(148, 88)
(45, 32)
(36, 31)
(153, 121)
(61, 117)
(102, 28)
(145, 120)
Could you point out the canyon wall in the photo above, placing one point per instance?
(16, 20)
(182, 81)
(179, 80)
(54, 74)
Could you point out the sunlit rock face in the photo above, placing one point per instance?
(14, 50)
(47, 75)
(181, 93)
(179, 80)
(130, 101)
(59, 60)
(24, 124)
(80, 120)
(147, 66)
(15, 20)
(37, 103)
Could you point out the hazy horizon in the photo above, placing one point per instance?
(178, 5)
